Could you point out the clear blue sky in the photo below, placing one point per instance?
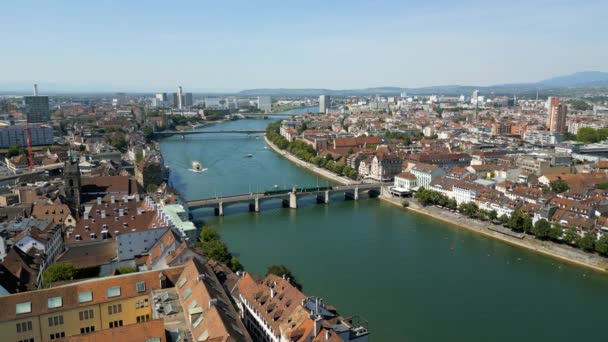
(232, 45)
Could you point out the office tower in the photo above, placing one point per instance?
(174, 101)
(324, 101)
(180, 98)
(265, 103)
(556, 118)
(403, 94)
(161, 97)
(188, 100)
(475, 97)
(37, 108)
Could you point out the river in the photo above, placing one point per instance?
(395, 269)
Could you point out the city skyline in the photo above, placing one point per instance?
(229, 47)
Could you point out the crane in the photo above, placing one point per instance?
(28, 141)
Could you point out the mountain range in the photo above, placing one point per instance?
(584, 79)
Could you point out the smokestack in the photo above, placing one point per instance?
(35, 90)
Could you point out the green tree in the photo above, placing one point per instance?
(151, 188)
(601, 246)
(13, 151)
(58, 272)
(139, 156)
(587, 135)
(209, 233)
(559, 186)
(469, 209)
(587, 242)
(541, 229)
(492, 215)
(125, 270)
(235, 264)
(571, 236)
(148, 133)
(216, 249)
(556, 232)
(282, 270)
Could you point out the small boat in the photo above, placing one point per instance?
(275, 186)
(196, 167)
(249, 155)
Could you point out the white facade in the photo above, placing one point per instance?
(265, 103)
(137, 243)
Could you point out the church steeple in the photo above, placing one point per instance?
(71, 182)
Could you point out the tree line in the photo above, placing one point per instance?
(305, 152)
(520, 222)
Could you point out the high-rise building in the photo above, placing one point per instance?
(265, 103)
(37, 108)
(188, 100)
(556, 118)
(180, 98)
(324, 102)
(475, 97)
(161, 96)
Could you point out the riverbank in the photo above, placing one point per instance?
(311, 167)
(548, 248)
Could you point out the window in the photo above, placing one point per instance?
(116, 324)
(87, 330)
(57, 335)
(84, 297)
(113, 291)
(140, 286)
(187, 293)
(27, 340)
(114, 309)
(24, 326)
(22, 308)
(182, 282)
(86, 314)
(143, 318)
(55, 320)
(55, 302)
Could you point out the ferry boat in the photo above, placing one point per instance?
(249, 155)
(196, 167)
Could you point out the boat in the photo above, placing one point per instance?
(196, 167)
(249, 155)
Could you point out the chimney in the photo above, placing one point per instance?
(137, 198)
(112, 199)
(212, 302)
(99, 200)
(326, 335)
(35, 90)
(121, 212)
(103, 214)
(271, 293)
(317, 325)
(86, 215)
(138, 211)
(125, 198)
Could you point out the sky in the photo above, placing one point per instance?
(229, 45)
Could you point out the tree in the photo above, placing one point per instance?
(151, 188)
(209, 233)
(556, 232)
(148, 133)
(235, 264)
(541, 229)
(601, 246)
(217, 250)
(571, 236)
(587, 242)
(13, 151)
(492, 215)
(118, 142)
(559, 186)
(282, 270)
(58, 272)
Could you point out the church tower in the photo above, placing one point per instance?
(71, 182)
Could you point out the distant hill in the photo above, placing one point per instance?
(577, 80)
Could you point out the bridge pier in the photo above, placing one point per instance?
(255, 205)
(293, 200)
(323, 198)
(219, 211)
(354, 195)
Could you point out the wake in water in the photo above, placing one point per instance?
(198, 171)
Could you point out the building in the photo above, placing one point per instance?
(385, 166)
(37, 108)
(265, 103)
(72, 183)
(274, 310)
(40, 135)
(180, 98)
(542, 137)
(324, 103)
(426, 173)
(188, 100)
(556, 120)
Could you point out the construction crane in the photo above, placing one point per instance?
(28, 141)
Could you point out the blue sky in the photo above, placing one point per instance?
(230, 45)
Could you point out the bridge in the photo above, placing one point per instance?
(167, 133)
(289, 197)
